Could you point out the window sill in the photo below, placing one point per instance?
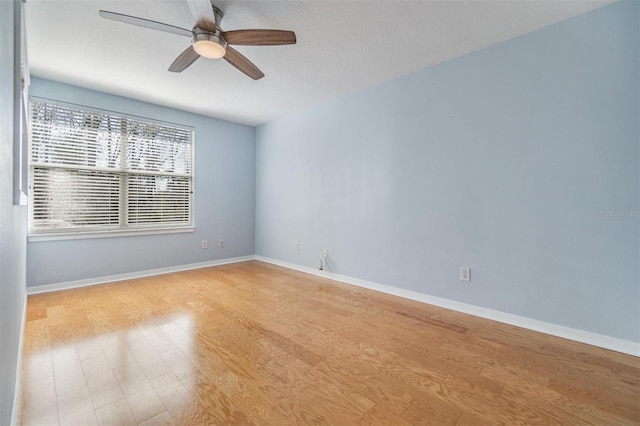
(34, 238)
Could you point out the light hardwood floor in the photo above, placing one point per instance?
(253, 343)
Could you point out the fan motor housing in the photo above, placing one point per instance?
(209, 44)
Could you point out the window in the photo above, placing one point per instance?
(95, 171)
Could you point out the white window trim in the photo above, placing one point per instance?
(34, 238)
(111, 233)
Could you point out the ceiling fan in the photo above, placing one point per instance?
(209, 40)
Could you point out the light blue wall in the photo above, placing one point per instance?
(506, 160)
(13, 227)
(224, 198)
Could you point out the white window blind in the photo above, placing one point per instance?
(94, 171)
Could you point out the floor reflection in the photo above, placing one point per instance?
(127, 376)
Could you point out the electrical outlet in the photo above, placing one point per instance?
(465, 273)
(296, 246)
(204, 244)
(221, 244)
(325, 253)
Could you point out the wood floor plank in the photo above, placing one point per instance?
(75, 408)
(434, 411)
(365, 381)
(38, 332)
(37, 309)
(586, 412)
(116, 414)
(214, 406)
(39, 406)
(145, 405)
(67, 369)
(162, 419)
(254, 343)
(379, 414)
(103, 386)
(38, 366)
(175, 397)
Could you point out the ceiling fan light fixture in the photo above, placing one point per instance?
(209, 40)
(207, 44)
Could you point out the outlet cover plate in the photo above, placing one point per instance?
(465, 273)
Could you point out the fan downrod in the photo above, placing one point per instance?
(218, 14)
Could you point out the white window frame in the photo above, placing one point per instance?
(121, 230)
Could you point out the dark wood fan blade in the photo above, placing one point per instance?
(141, 22)
(239, 61)
(259, 37)
(183, 60)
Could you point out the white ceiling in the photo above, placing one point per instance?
(343, 47)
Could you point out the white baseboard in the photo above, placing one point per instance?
(607, 342)
(15, 411)
(46, 288)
